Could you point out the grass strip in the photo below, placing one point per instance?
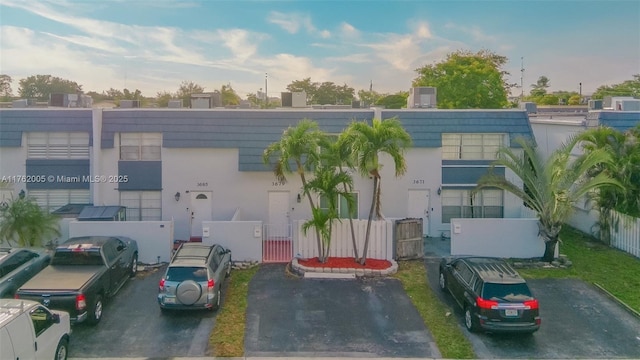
(227, 338)
(447, 334)
(594, 262)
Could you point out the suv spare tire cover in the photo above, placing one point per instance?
(188, 292)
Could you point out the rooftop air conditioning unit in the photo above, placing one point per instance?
(422, 97)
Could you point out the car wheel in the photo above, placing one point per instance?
(470, 320)
(95, 313)
(61, 350)
(216, 305)
(442, 281)
(164, 311)
(134, 265)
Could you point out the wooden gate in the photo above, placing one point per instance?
(409, 241)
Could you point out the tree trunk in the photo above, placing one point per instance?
(373, 207)
(549, 250)
(321, 258)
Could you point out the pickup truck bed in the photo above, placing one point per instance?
(55, 278)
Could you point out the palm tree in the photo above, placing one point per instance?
(298, 146)
(550, 187)
(367, 143)
(625, 151)
(24, 223)
(329, 185)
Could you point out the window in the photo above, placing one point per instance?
(487, 203)
(140, 146)
(42, 319)
(142, 205)
(471, 146)
(52, 200)
(343, 208)
(58, 145)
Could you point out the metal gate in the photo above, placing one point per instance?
(277, 243)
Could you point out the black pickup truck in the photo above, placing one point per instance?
(84, 271)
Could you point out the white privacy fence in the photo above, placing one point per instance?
(626, 236)
(380, 243)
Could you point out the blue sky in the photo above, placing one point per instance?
(155, 45)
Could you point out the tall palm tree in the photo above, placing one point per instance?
(550, 187)
(367, 143)
(298, 146)
(329, 184)
(24, 223)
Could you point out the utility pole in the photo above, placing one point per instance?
(266, 94)
(521, 77)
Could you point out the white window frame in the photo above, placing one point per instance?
(58, 145)
(472, 146)
(140, 146)
(485, 203)
(142, 205)
(53, 199)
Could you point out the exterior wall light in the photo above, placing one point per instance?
(439, 191)
(22, 194)
(177, 196)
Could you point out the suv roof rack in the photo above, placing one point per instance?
(493, 269)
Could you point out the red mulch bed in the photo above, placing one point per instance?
(343, 262)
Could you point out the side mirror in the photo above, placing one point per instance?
(55, 318)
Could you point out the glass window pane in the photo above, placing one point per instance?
(450, 212)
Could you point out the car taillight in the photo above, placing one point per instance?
(210, 284)
(161, 285)
(81, 302)
(16, 296)
(486, 304)
(531, 304)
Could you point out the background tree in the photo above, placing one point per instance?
(229, 96)
(540, 87)
(5, 88)
(24, 223)
(323, 93)
(163, 97)
(467, 80)
(368, 142)
(41, 86)
(550, 187)
(394, 101)
(626, 88)
(368, 97)
(255, 100)
(298, 146)
(304, 85)
(186, 89)
(574, 100)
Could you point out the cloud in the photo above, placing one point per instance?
(294, 22)
(353, 58)
(349, 30)
(475, 32)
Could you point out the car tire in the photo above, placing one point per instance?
(134, 266)
(442, 281)
(62, 350)
(164, 311)
(96, 310)
(216, 305)
(470, 319)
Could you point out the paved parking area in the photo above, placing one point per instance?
(133, 326)
(288, 316)
(578, 321)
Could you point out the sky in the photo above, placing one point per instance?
(155, 45)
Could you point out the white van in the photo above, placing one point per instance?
(29, 330)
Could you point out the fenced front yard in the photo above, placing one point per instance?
(626, 236)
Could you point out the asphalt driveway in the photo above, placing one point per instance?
(133, 326)
(288, 316)
(578, 321)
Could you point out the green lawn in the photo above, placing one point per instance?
(444, 328)
(227, 338)
(594, 262)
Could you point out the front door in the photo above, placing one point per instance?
(201, 210)
(419, 208)
(277, 245)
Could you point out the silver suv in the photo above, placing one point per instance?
(194, 277)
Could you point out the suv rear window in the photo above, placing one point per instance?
(182, 273)
(506, 292)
